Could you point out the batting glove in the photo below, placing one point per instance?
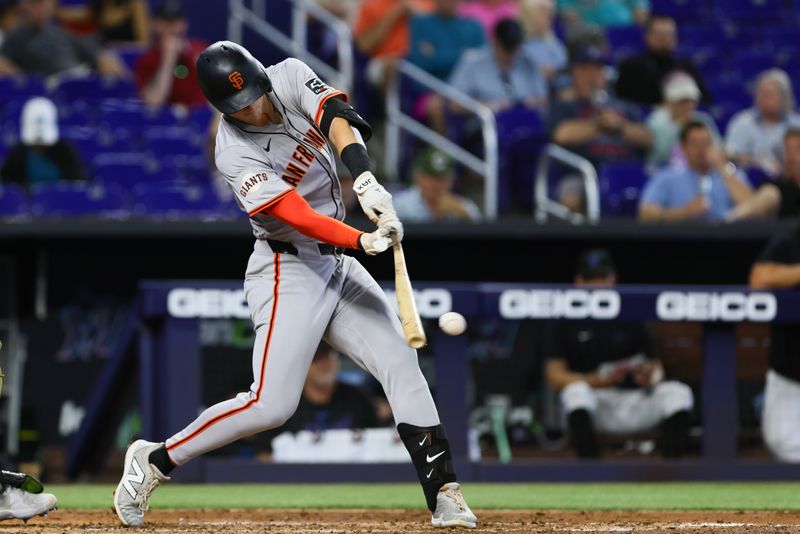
(392, 224)
(374, 199)
(375, 242)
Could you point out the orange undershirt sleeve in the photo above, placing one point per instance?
(293, 210)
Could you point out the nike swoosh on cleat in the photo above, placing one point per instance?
(429, 474)
(432, 458)
(421, 443)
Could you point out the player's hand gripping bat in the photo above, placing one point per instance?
(409, 316)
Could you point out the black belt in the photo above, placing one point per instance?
(283, 247)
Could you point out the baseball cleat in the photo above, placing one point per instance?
(18, 504)
(139, 480)
(451, 508)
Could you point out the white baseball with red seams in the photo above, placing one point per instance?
(452, 323)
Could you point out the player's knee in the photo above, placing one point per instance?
(270, 414)
(673, 397)
(578, 396)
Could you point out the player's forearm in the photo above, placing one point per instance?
(768, 275)
(342, 135)
(293, 210)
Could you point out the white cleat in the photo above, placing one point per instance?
(140, 478)
(451, 508)
(18, 504)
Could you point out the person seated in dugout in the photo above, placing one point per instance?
(607, 377)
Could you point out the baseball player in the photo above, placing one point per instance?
(275, 146)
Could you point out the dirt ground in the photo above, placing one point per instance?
(388, 521)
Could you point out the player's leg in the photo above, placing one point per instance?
(579, 402)
(291, 302)
(781, 409)
(365, 328)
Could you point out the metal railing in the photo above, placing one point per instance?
(296, 44)
(545, 206)
(399, 121)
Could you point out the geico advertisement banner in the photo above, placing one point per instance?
(189, 303)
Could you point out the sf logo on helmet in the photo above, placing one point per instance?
(236, 80)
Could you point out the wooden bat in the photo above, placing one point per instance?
(409, 316)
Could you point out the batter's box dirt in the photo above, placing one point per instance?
(390, 521)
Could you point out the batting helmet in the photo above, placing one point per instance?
(231, 78)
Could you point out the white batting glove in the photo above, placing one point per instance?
(374, 199)
(375, 242)
(393, 226)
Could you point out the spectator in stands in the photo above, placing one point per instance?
(780, 198)
(778, 267)
(327, 403)
(489, 12)
(548, 51)
(438, 39)
(590, 122)
(707, 187)
(8, 18)
(605, 13)
(167, 73)
(40, 156)
(608, 379)
(755, 135)
(381, 32)
(431, 199)
(681, 96)
(39, 46)
(502, 75)
(343, 9)
(641, 77)
(121, 21)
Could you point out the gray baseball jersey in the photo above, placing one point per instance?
(261, 164)
(297, 299)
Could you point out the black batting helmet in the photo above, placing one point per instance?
(231, 78)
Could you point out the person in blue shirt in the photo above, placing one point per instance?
(502, 75)
(548, 51)
(707, 187)
(438, 39)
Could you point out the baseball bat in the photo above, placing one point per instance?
(409, 316)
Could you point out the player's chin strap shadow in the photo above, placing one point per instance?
(430, 453)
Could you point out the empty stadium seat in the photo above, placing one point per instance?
(175, 200)
(13, 200)
(72, 199)
(94, 88)
(620, 187)
(750, 10)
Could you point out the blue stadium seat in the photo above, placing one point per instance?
(722, 111)
(680, 10)
(620, 187)
(173, 140)
(175, 200)
(751, 10)
(129, 169)
(133, 115)
(91, 141)
(13, 88)
(13, 200)
(72, 199)
(756, 176)
(94, 88)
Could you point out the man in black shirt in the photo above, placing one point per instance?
(778, 267)
(781, 198)
(608, 380)
(642, 76)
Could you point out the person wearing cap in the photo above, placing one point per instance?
(167, 72)
(607, 376)
(39, 46)
(431, 199)
(755, 135)
(708, 187)
(590, 122)
(641, 76)
(681, 96)
(502, 75)
(40, 156)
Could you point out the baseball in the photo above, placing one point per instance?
(452, 323)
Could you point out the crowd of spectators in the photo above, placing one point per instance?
(558, 59)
